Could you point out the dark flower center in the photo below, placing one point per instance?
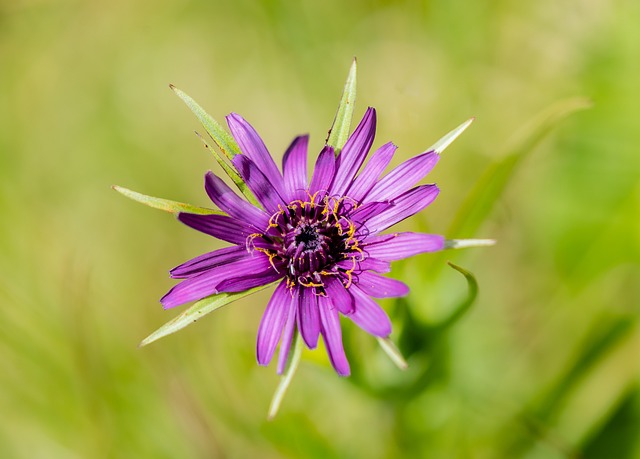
(307, 239)
(307, 236)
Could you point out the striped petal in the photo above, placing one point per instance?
(354, 152)
(208, 261)
(294, 166)
(368, 315)
(381, 287)
(219, 226)
(392, 247)
(323, 171)
(308, 319)
(332, 335)
(206, 283)
(403, 177)
(339, 296)
(404, 206)
(252, 145)
(371, 172)
(259, 183)
(228, 201)
(272, 323)
(288, 332)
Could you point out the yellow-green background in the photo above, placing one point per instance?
(546, 364)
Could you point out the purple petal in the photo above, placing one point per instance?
(219, 226)
(257, 182)
(404, 206)
(381, 287)
(252, 145)
(272, 323)
(403, 177)
(368, 264)
(332, 335)
(397, 246)
(371, 172)
(367, 211)
(224, 197)
(289, 329)
(368, 315)
(206, 283)
(208, 261)
(241, 283)
(354, 152)
(294, 165)
(323, 171)
(339, 295)
(308, 319)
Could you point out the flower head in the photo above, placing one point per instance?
(320, 238)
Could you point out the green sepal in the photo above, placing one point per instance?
(467, 243)
(198, 310)
(287, 376)
(222, 138)
(165, 204)
(232, 173)
(448, 139)
(339, 132)
(393, 352)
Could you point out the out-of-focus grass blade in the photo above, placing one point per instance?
(492, 183)
(222, 138)
(605, 336)
(286, 378)
(195, 312)
(393, 352)
(466, 243)
(445, 141)
(232, 173)
(466, 304)
(165, 204)
(339, 132)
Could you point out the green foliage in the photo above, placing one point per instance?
(340, 129)
(222, 139)
(164, 204)
(195, 312)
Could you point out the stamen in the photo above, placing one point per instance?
(309, 238)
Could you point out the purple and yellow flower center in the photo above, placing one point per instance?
(308, 239)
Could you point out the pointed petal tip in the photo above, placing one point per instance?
(448, 139)
(172, 86)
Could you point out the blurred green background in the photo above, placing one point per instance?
(545, 364)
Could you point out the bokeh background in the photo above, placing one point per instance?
(545, 364)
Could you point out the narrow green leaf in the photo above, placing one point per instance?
(466, 304)
(165, 204)
(466, 243)
(393, 352)
(480, 201)
(195, 312)
(603, 337)
(339, 132)
(222, 138)
(232, 173)
(448, 139)
(287, 377)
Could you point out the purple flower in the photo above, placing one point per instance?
(320, 238)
